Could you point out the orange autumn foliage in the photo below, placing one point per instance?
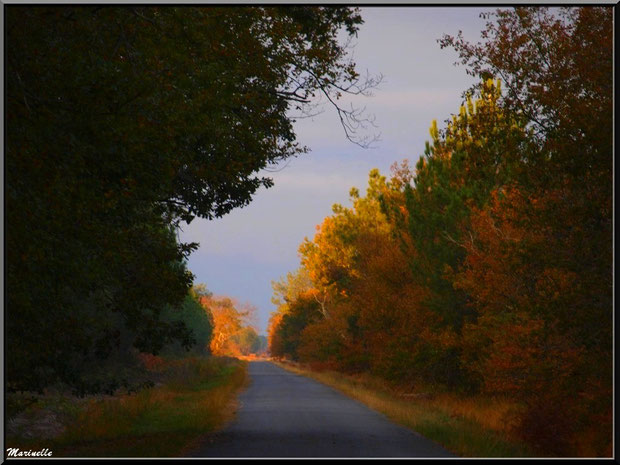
(528, 340)
(490, 269)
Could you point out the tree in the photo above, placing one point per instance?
(330, 258)
(227, 321)
(287, 327)
(478, 151)
(197, 319)
(539, 262)
(558, 74)
(247, 341)
(288, 289)
(232, 333)
(286, 293)
(329, 323)
(122, 122)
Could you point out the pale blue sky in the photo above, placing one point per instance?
(241, 253)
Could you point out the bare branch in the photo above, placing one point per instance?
(321, 303)
(352, 119)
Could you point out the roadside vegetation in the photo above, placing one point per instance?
(190, 397)
(147, 405)
(468, 426)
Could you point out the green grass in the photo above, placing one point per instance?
(468, 427)
(196, 396)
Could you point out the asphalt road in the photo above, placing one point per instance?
(286, 415)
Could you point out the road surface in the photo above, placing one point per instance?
(286, 415)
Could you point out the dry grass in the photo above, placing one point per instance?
(195, 396)
(491, 413)
(467, 426)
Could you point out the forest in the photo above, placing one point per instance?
(487, 266)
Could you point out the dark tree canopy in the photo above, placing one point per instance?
(122, 122)
(197, 98)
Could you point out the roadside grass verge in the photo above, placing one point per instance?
(192, 397)
(467, 426)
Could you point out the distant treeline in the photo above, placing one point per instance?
(488, 267)
(233, 333)
(219, 324)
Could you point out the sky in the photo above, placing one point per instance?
(241, 253)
